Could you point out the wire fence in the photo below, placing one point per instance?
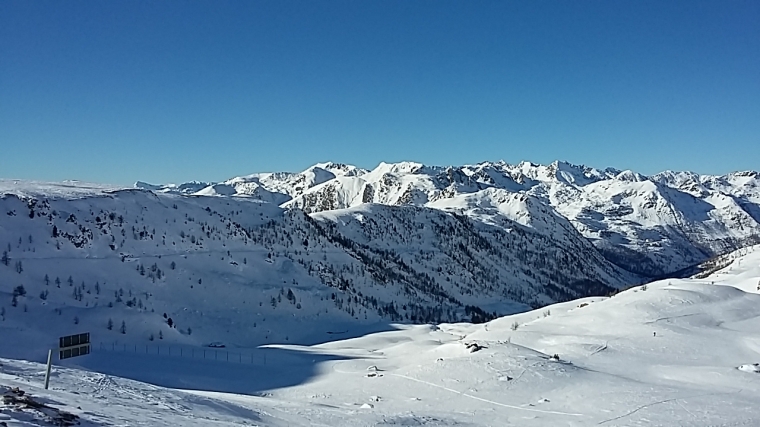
(208, 353)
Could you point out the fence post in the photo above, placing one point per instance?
(47, 368)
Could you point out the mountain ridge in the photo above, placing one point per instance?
(651, 225)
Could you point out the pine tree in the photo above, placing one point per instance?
(19, 291)
(123, 328)
(110, 324)
(47, 280)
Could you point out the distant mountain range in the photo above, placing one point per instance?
(649, 225)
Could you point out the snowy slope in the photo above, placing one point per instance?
(678, 352)
(244, 272)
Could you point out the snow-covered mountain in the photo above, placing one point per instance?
(298, 256)
(651, 226)
(99, 256)
(276, 187)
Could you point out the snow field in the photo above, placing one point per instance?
(676, 352)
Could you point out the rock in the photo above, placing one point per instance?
(473, 347)
(755, 367)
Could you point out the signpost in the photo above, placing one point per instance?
(73, 346)
(68, 347)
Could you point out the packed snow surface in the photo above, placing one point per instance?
(670, 353)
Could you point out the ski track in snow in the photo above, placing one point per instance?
(486, 400)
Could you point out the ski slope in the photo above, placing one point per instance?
(671, 353)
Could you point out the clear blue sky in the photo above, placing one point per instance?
(169, 91)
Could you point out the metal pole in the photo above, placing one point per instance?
(47, 371)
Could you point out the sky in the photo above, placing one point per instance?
(171, 91)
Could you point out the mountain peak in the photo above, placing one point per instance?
(339, 169)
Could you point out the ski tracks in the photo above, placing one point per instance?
(542, 411)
